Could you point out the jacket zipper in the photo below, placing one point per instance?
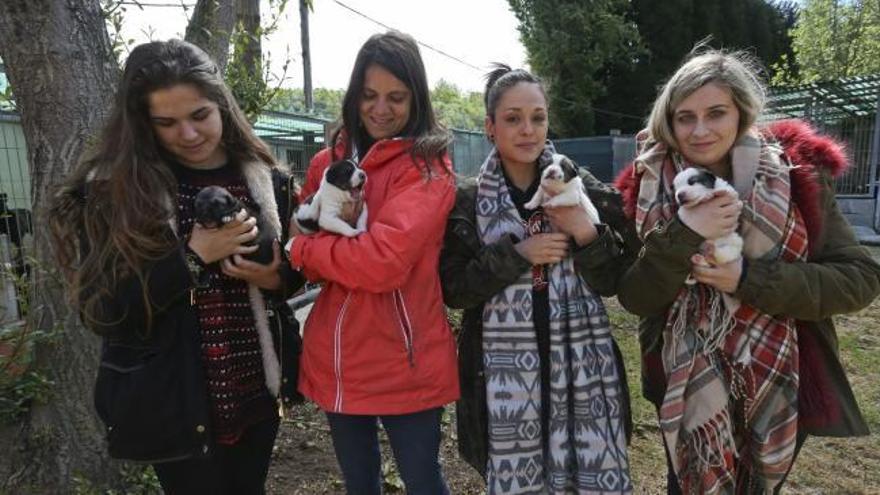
(360, 162)
(337, 354)
(405, 326)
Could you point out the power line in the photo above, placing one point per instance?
(601, 110)
(441, 52)
(179, 5)
(386, 26)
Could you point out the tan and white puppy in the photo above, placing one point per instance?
(562, 186)
(342, 185)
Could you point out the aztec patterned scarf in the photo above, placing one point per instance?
(731, 371)
(586, 442)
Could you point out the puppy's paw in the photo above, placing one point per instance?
(728, 249)
(349, 231)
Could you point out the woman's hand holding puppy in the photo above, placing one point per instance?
(722, 277)
(215, 244)
(543, 249)
(715, 218)
(263, 276)
(573, 221)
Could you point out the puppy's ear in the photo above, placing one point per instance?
(569, 169)
(339, 172)
(703, 178)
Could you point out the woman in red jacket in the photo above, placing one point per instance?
(377, 345)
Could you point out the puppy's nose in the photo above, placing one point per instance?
(680, 197)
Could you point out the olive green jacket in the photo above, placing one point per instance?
(472, 273)
(839, 276)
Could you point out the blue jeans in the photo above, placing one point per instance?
(415, 441)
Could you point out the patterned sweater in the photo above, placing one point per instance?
(230, 346)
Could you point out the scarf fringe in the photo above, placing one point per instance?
(702, 450)
(711, 335)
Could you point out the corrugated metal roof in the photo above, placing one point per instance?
(288, 125)
(827, 101)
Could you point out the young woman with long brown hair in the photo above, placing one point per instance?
(189, 375)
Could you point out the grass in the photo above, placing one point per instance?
(304, 463)
(849, 465)
(825, 465)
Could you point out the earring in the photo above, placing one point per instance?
(491, 138)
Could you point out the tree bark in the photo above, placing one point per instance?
(211, 25)
(248, 20)
(59, 61)
(306, 53)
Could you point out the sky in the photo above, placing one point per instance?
(476, 32)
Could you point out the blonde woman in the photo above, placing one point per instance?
(743, 364)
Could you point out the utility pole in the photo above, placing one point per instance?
(304, 7)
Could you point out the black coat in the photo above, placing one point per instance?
(471, 274)
(150, 390)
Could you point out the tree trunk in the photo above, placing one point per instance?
(306, 53)
(211, 24)
(60, 64)
(248, 20)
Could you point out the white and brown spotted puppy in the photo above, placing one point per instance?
(696, 185)
(342, 185)
(562, 186)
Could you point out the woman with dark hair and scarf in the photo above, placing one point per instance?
(189, 374)
(545, 406)
(742, 365)
(377, 346)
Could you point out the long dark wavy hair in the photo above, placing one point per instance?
(113, 214)
(399, 54)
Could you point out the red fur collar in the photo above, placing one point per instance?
(808, 150)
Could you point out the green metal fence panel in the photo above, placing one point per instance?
(15, 180)
(469, 151)
(847, 109)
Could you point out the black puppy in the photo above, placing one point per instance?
(215, 207)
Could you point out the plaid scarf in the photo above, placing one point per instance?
(586, 447)
(729, 416)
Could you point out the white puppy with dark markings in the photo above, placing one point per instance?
(562, 186)
(342, 185)
(696, 185)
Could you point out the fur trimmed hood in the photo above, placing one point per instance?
(811, 153)
(259, 180)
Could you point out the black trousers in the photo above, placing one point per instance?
(233, 469)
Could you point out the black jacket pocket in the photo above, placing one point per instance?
(152, 398)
